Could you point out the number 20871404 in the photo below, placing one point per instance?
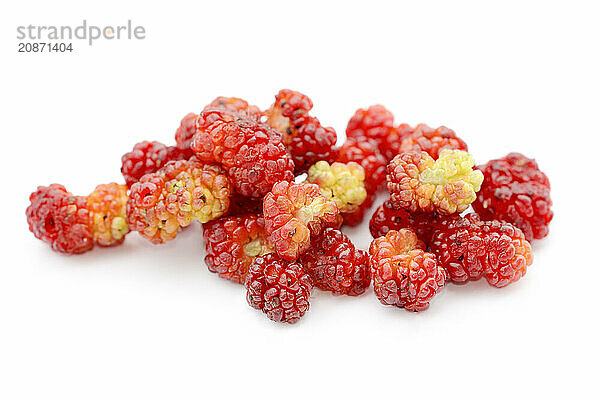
(45, 47)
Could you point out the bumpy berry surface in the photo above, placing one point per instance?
(148, 157)
(403, 274)
(233, 242)
(386, 219)
(419, 184)
(303, 135)
(374, 122)
(356, 217)
(509, 253)
(432, 141)
(60, 219)
(288, 112)
(515, 190)
(469, 249)
(192, 124)
(364, 152)
(240, 205)
(390, 146)
(107, 205)
(336, 265)
(460, 248)
(312, 143)
(279, 288)
(236, 105)
(293, 212)
(221, 108)
(179, 193)
(186, 131)
(343, 183)
(251, 152)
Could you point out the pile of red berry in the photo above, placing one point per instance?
(274, 191)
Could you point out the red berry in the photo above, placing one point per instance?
(432, 141)
(403, 274)
(186, 131)
(509, 253)
(469, 249)
(293, 212)
(251, 152)
(192, 124)
(288, 111)
(60, 219)
(374, 123)
(240, 205)
(233, 242)
(279, 288)
(176, 195)
(515, 190)
(236, 105)
(390, 146)
(386, 219)
(303, 135)
(73, 224)
(311, 144)
(336, 265)
(356, 217)
(365, 153)
(460, 248)
(148, 157)
(221, 108)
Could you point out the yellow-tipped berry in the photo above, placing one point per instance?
(343, 183)
(175, 196)
(108, 217)
(448, 185)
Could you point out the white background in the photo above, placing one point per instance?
(151, 321)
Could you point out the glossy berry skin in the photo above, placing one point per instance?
(60, 219)
(293, 213)
(107, 205)
(221, 108)
(390, 146)
(193, 123)
(403, 274)
(288, 112)
(251, 152)
(178, 194)
(312, 143)
(418, 184)
(336, 265)
(516, 191)
(365, 152)
(148, 157)
(432, 141)
(469, 249)
(240, 205)
(303, 135)
(233, 242)
(460, 248)
(73, 224)
(386, 219)
(509, 253)
(374, 123)
(186, 131)
(278, 288)
(356, 217)
(236, 105)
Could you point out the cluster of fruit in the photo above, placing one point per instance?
(273, 191)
